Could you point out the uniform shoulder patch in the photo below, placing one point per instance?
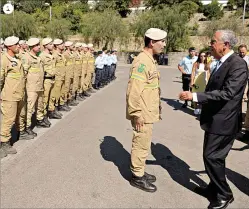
(141, 68)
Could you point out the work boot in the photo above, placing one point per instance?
(46, 120)
(80, 98)
(95, 86)
(72, 103)
(2, 153)
(42, 124)
(31, 132)
(66, 105)
(142, 183)
(91, 91)
(24, 135)
(63, 108)
(57, 112)
(7, 148)
(86, 94)
(53, 115)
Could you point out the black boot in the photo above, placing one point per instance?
(2, 153)
(46, 120)
(53, 115)
(31, 132)
(149, 177)
(72, 103)
(86, 94)
(25, 135)
(7, 148)
(80, 98)
(142, 183)
(91, 91)
(66, 105)
(42, 124)
(63, 108)
(57, 111)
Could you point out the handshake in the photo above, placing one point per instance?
(186, 95)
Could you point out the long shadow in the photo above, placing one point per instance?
(178, 169)
(113, 151)
(178, 106)
(240, 181)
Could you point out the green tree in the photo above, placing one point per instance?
(21, 25)
(104, 27)
(169, 19)
(213, 10)
(58, 28)
(159, 4)
(122, 6)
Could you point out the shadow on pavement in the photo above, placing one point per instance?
(113, 151)
(240, 181)
(178, 106)
(178, 169)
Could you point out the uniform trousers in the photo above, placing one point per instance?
(48, 102)
(141, 143)
(34, 98)
(76, 79)
(215, 151)
(98, 77)
(67, 87)
(12, 112)
(88, 79)
(56, 92)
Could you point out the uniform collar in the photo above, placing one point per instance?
(12, 59)
(34, 56)
(149, 55)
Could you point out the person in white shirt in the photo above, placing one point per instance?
(99, 70)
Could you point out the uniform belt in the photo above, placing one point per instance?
(70, 63)
(14, 75)
(34, 70)
(99, 68)
(49, 77)
(91, 61)
(78, 62)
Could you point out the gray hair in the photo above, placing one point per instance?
(228, 36)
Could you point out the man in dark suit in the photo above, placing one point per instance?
(221, 114)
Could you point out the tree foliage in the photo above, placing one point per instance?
(121, 6)
(232, 23)
(159, 4)
(21, 24)
(104, 27)
(213, 10)
(169, 19)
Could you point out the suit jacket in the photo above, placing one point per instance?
(222, 99)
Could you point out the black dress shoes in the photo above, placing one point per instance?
(149, 177)
(143, 183)
(220, 204)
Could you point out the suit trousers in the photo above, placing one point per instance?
(12, 112)
(247, 117)
(215, 151)
(141, 143)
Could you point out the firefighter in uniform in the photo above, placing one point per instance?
(143, 106)
(77, 72)
(49, 76)
(83, 86)
(60, 73)
(34, 85)
(90, 68)
(70, 64)
(12, 86)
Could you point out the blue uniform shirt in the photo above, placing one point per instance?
(187, 64)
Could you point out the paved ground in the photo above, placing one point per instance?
(82, 161)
